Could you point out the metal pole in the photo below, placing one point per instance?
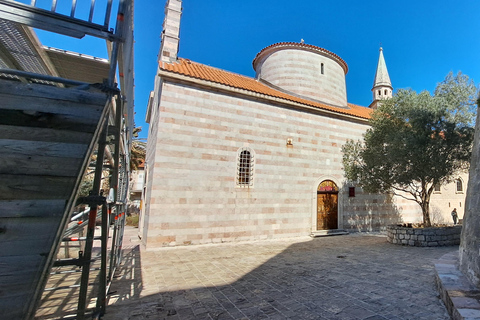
(118, 127)
(91, 224)
(113, 248)
(102, 292)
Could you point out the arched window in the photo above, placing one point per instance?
(379, 92)
(322, 68)
(245, 165)
(385, 91)
(459, 185)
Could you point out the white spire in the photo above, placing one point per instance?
(381, 76)
(382, 87)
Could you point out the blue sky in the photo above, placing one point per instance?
(422, 40)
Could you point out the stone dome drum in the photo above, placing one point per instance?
(303, 70)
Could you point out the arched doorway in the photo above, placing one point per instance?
(327, 205)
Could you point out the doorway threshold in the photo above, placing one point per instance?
(328, 233)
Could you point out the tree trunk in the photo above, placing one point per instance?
(426, 213)
(425, 204)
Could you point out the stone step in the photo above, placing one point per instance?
(328, 233)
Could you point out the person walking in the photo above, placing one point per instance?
(454, 216)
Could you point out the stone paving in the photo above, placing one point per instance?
(343, 277)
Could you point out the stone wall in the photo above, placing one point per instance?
(424, 237)
(192, 197)
(469, 248)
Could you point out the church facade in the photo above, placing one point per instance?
(232, 158)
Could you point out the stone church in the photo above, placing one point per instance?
(232, 158)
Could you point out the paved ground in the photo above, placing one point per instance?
(342, 277)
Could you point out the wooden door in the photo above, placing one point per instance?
(327, 206)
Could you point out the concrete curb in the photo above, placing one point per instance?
(460, 296)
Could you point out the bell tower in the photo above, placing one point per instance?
(171, 31)
(382, 87)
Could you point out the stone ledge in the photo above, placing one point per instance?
(460, 296)
(328, 233)
(424, 237)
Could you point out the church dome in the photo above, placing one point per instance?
(304, 70)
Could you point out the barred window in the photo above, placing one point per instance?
(245, 168)
(459, 185)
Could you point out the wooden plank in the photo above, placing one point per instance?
(20, 274)
(40, 229)
(14, 307)
(84, 112)
(46, 120)
(31, 208)
(18, 187)
(44, 134)
(40, 246)
(23, 270)
(32, 90)
(24, 264)
(39, 165)
(42, 148)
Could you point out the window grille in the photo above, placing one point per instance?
(459, 185)
(245, 165)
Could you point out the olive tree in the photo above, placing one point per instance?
(415, 142)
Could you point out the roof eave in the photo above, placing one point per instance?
(169, 75)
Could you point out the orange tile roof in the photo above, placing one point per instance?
(200, 71)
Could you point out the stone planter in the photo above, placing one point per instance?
(424, 237)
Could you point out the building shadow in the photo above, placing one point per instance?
(344, 277)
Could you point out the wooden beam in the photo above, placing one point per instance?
(31, 208)
(87, 97)
(42, 148)
(18, 187)
(44, 134)
(39, 165)
(45, 120)
(84, 113)
(27, 235)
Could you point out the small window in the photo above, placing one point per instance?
(351, 192)
(245, 168)
(322, 68)
(436, 188)
(459, 185)
(379, 92)
(385, 92)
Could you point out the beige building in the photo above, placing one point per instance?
(233, 158)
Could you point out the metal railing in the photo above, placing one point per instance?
(63, 18)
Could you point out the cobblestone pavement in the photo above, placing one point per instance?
(342, 277)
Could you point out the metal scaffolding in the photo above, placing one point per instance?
(24, 85)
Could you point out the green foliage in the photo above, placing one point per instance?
(132, 220)
(415, 141)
